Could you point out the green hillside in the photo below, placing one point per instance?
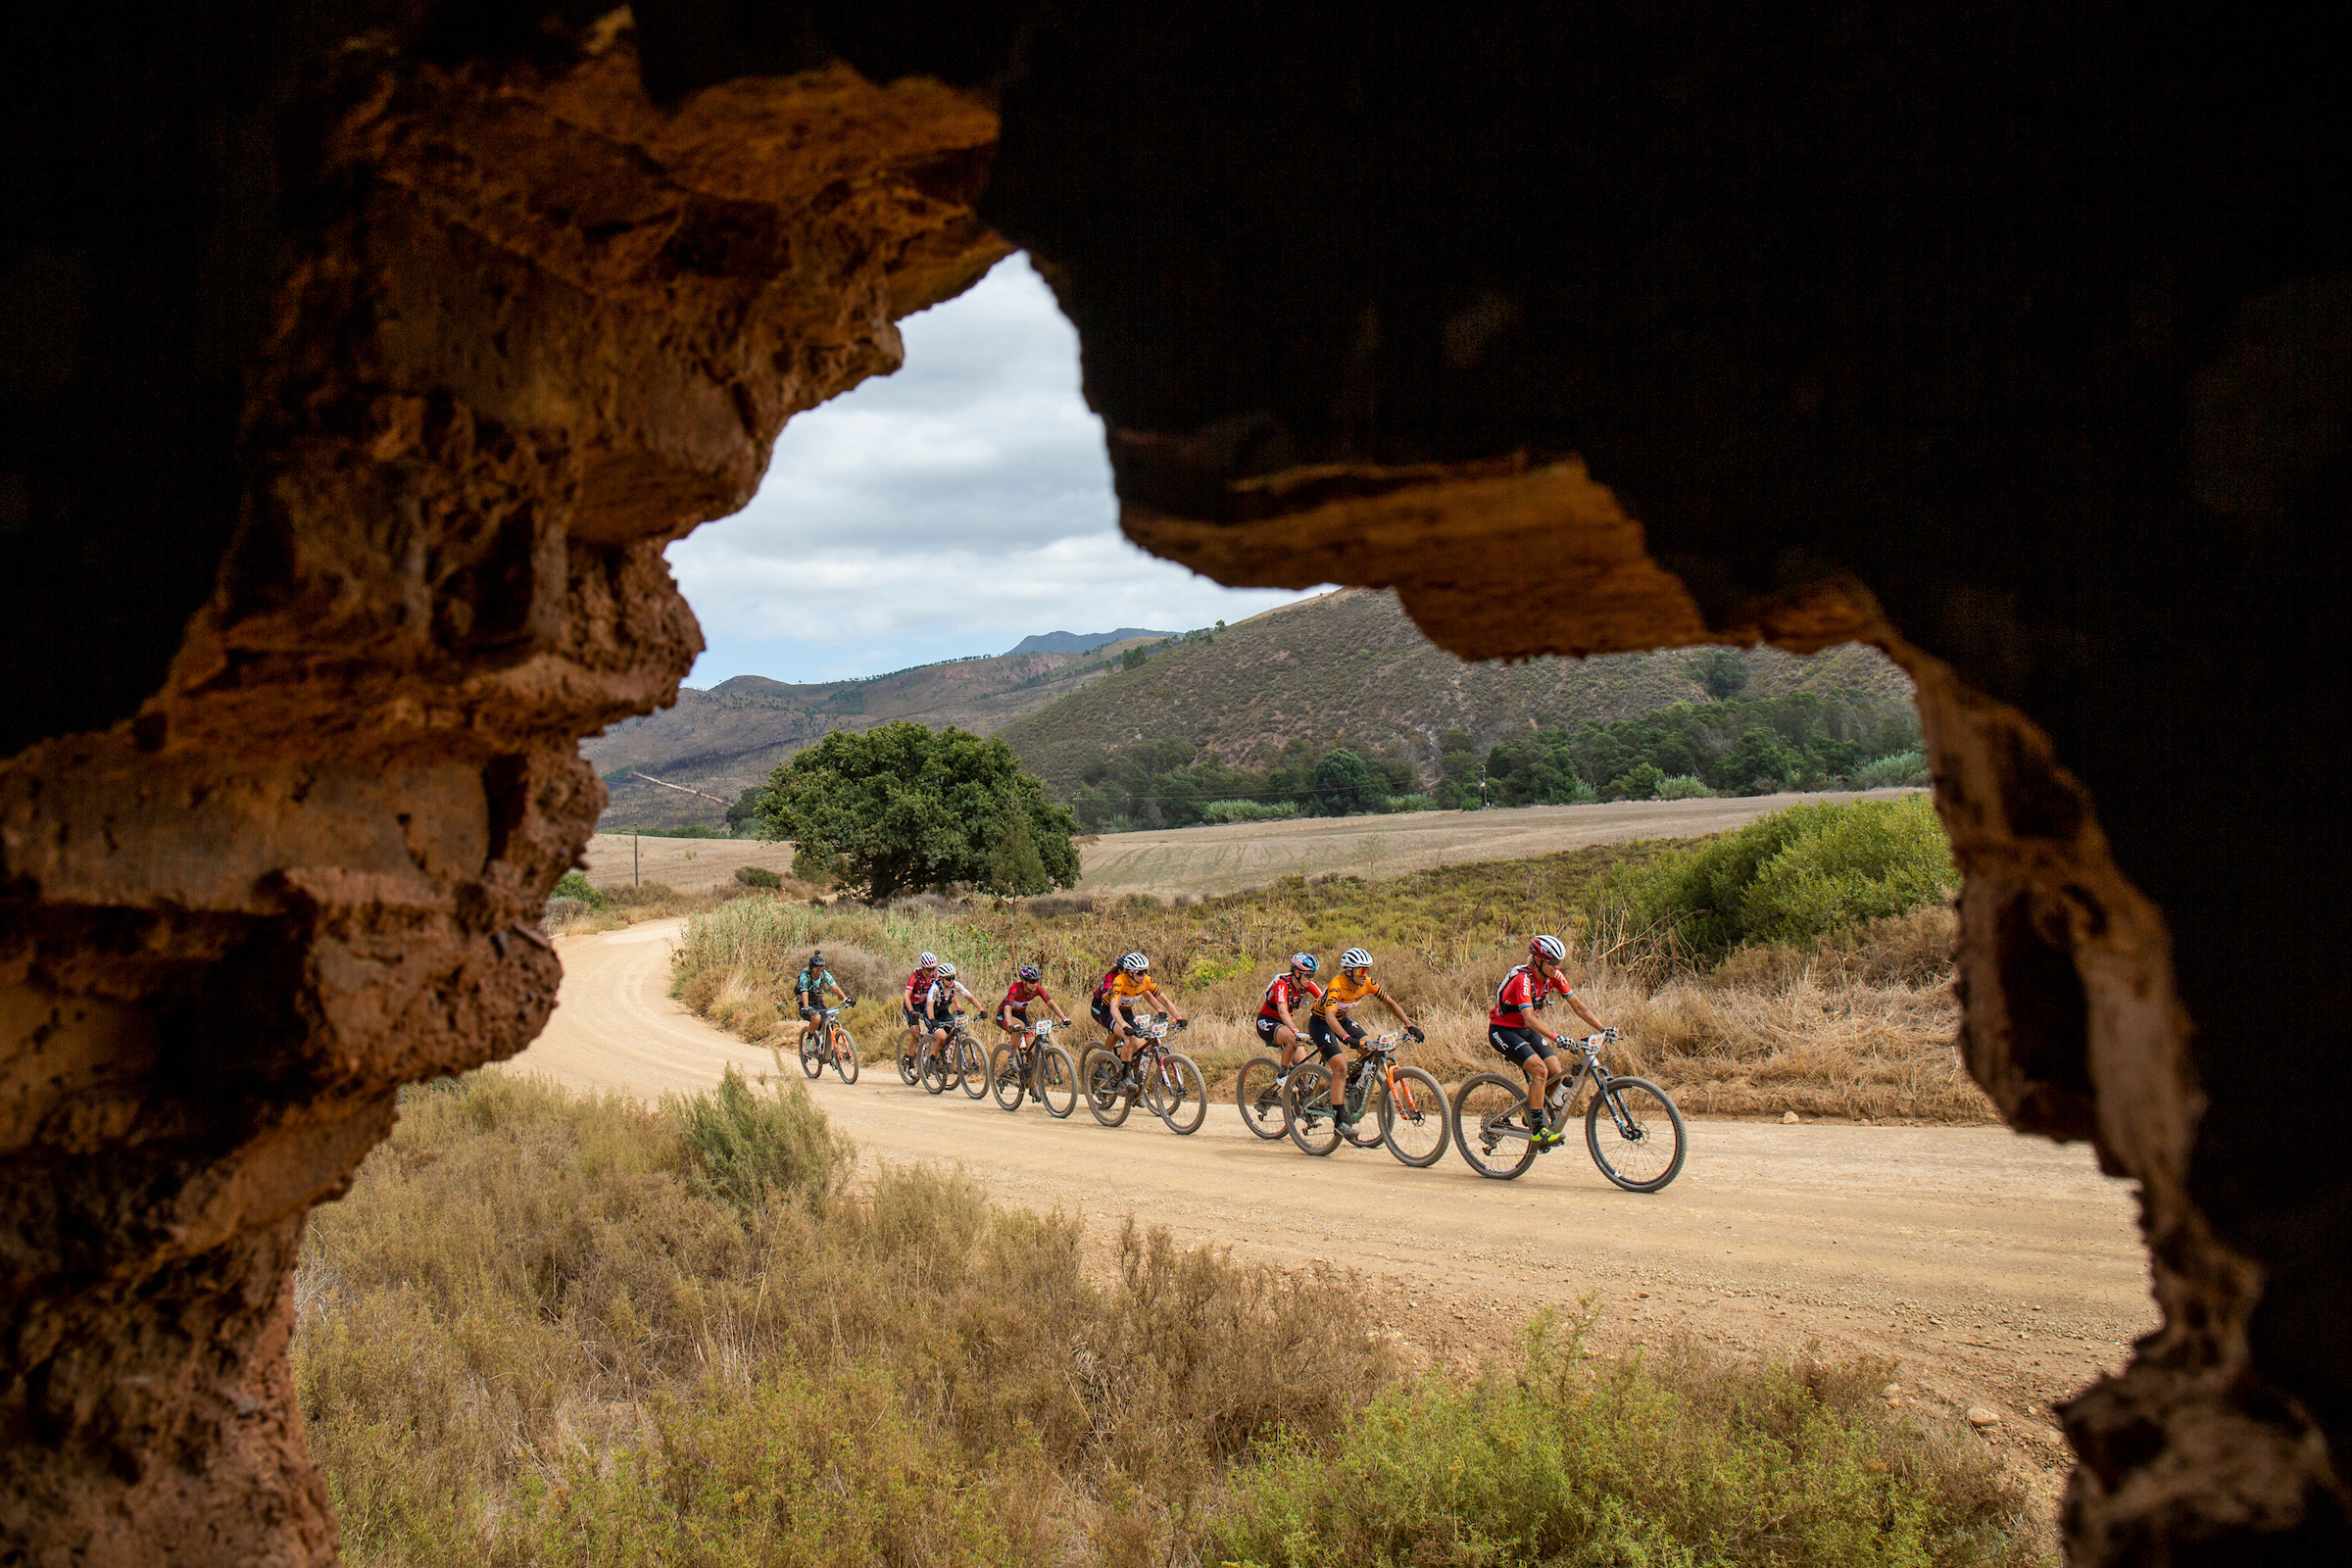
(728, 739)
(1350, 670)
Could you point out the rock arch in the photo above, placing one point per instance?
(361, 362)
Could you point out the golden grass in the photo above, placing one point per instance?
(546, 1330)
(1860, 1025)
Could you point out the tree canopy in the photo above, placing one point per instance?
(901, 806)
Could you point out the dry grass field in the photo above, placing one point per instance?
(690, 866)
(1204, 860)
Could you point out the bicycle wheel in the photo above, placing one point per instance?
(1489, 1126)
(937, 1071)
(1183, 1099)
(1306, 1107)
(1412, 1118)
(971, 1066)
(1260, 1101)
(908, 1069)
(845, 1056)
(1006, 1079)
(1644, 1150)
(813, 1053)
(1106, 1095)
(1057, 1081)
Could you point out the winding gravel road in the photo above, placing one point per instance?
(1994, 1270)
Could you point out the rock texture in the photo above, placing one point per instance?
(360, 363)
(532, 327)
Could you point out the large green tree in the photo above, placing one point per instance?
(899, 807)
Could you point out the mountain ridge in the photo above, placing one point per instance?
(1078, 642)
(1351, 669)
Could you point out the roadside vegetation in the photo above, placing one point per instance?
(543, 1329)
(1801, 964)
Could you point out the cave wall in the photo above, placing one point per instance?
(360, 362)
(510, 327)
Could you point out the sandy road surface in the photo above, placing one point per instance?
(1249, 854)
(1994, 1269)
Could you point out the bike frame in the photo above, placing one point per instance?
(1588, 1066)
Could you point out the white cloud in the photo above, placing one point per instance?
(953, 508)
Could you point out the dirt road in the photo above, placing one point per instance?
(1994, 1270)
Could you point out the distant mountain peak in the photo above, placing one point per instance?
(1078, 642)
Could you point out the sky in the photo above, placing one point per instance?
(951, 508)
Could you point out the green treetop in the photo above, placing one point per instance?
(899, 807)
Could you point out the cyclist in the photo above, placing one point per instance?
(815, 980)
(1515, 1028)
(1128, 982)
(917, 996)
(937, 1005)
(1013, 1013)
(1278, 1014)
(1330, 1030)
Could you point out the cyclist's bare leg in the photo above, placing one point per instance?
(1540, 1071)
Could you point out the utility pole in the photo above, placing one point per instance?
(1482, 786)
(633, 858)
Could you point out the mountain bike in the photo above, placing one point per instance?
(828, 1045)
(1166, 1083)
(1632, 1128)
(1259, 1093)
(937, 1067)
(1031, 1067)
(968, 1060)
(1405, 1104)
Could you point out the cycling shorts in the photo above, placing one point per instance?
(811, 1014)
(1022, 1014)
(1266, 1027)
(1519, 1044)
(1330, 1041)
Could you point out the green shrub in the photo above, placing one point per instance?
(747, 1149)
(758, 876)
(1688, 1461)
(1889, 773)
(1683, 787)
(1793, 876)
(575, 886)
(1249, 810)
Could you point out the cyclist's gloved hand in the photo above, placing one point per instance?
(1413, 1033)
(1609, 1035)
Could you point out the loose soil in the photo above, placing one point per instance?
(1250, 854)
(1994, 1270)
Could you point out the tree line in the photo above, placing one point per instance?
(1731, 745)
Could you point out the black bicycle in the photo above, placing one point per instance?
(1403, 1105)
(826, 1044)
(1166, 1083)
(1030, 1067)
(1632, 1128)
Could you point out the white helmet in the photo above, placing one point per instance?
(1541, 948)
(947, 971)
(1356, 959)
(1134, 963)
(929, 960)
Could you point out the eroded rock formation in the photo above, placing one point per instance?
(362, 364)
(531, 328)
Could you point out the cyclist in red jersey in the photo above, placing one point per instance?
(1515, 1027)
(1278, 1013)
(1013, 1013)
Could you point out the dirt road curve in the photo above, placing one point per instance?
(1996, 1270)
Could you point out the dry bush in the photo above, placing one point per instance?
(545, 1329)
